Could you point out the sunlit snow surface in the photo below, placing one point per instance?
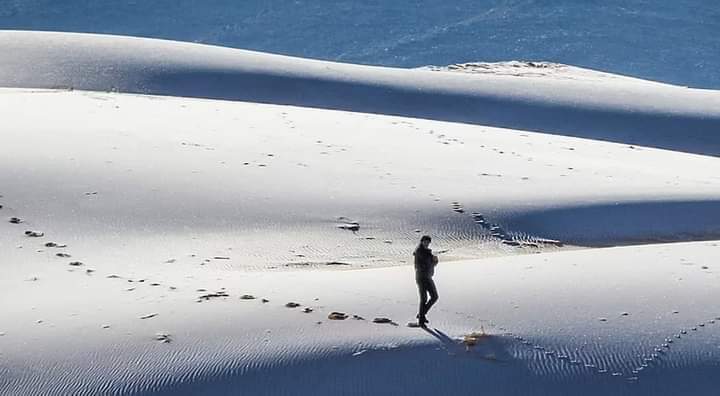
(158, 238)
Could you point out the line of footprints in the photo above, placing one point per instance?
(498, 232)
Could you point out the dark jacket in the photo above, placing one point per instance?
(424, 266)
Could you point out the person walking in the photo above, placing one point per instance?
(425, 263)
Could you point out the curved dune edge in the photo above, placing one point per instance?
(633, 300)
(618, 110)
(219, 172)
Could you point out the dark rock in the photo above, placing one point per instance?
(337, 316)
(384, 320)
(208, 296)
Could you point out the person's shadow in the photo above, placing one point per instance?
(492, 347)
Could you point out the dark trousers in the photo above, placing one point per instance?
(426, 286)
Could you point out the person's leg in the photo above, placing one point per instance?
(423, 298)
(430, 287)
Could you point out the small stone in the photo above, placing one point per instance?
(602, 319)
(247, 297)
(307, 310)
(34, 234)
(105, 326)
(292, 305)
(148, 316)
(221, 258)
(64, 255)
(51, 244)
(349, 226)
(208, 296)
(337, 316)
(624, 314)
(16, 220)
(163, 338)
(384, 320)
(89, 271)
(358, 317)
(265, 300)
(75, 263)
(113, 276)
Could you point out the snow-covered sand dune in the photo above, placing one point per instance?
(632, 320)
(621, 110)
(132, 226)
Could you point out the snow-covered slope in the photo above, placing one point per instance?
(133, 225)
(634, 113)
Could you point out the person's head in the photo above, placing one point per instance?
(425, 240)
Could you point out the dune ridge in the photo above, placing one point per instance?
(652, 114)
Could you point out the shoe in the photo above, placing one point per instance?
(422, 322)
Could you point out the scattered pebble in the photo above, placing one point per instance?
(221, 258)
(34, 234)
(163, 338)
(265, 300)
(75, 263)
(16, 220)
(148, 316)
(624, 314)
(292, 305)
(105, 326)
(113, 276)
(337, 316)
(248, 297)
(64, 255)
(384, 320)
(89, 271)
(307, 310)
(354, 226)
(208, 296)
(358, 317)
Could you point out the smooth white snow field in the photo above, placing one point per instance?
(162, 202)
